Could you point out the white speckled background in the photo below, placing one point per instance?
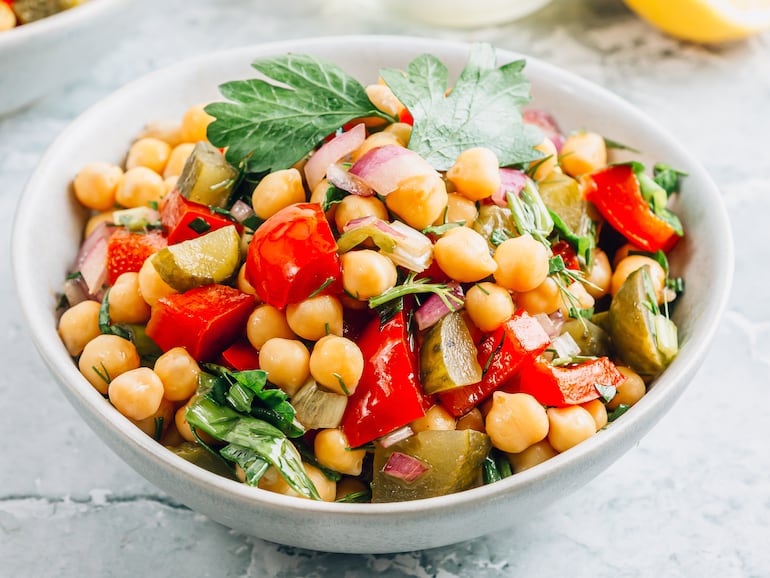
(692, 499)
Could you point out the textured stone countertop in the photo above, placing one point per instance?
(691, 499)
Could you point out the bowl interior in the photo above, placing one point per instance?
(47, 234)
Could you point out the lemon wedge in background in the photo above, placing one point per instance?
(707, 21)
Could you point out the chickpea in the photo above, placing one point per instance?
(267, 322)
(195, 122)
(568, 426)
(458, 210)
(243, 284)
(273, 481)
(475, 173)
(419, 200)
(383, 98)
(347, 486)
(169, 184)
(177, 159)
(373, 141)
(522, 263)
(95, 185)
(316, 317)
(598, 411)
(185, 431)
(472, 420)
(580, 299)
(276, 191)
(623, 252)
(7, 17)
(633, 262)
(78, 325)
(367, 273)
(96, 220)
(148, 152)
(151, 286)
(355, 207)
(436, 418)
(516, 421)
(139, 187)
(126, 302)
(333, 451)
(488, 305)
(179, 373)
(532, 456)
(630, 390)
(583, 152)
(104, 358)
(546, 165)
(599, 275)
(163, 417)
(337, 364)
(287, 363)
(401, 130)
(545, 298)
(136, 393)
(168, 132)
(463, 254)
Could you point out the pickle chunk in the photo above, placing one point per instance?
(210, 258)
(448, 356)
(453, 460)
(207, 178)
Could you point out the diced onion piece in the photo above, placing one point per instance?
(395, 436)
(565, 346)
(346, 181)
(331, 152)
(511, 181)
(385, 168)
(434, 308)
(75, 290)
(241, 211)
(92, 258)
(404, 467)
(546, 123)
(401, 243)
(317, 408)
(551, 326)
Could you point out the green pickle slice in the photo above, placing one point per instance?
(210, 258)
(448, 356)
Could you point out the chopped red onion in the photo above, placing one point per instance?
(346, 181)
(404, 467)
(565, 346)
(511, 181)
(75, 291)
(546, 123)
(434, 308)
(92, 258)
(551, 324)
(331, 152)
(385, 168)
(395, 436)
(399, 242)
(241, 211)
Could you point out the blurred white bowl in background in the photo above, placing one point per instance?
(464, 14)
(38, 57)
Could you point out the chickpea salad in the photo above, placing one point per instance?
(372, 293)
(14, 13)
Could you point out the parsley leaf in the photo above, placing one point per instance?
(273, 122)
(482, 109)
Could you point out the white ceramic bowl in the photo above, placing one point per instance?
(37, 57)
(41, 258)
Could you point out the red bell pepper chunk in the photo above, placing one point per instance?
(127, 251)
(389, 394)
(240, 356)
(567, 385)
(516, 342)
(204, 320)
(406, 117)
(293, 255)
(183, 219)
(616, 193)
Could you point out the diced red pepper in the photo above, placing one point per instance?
(567, 385)
(516, 342)
(567, 253)
(240, 356)
(406, 117)
(127, 251)
(293, 255)
(389, 394)
(205, 320)
(183, 219)
(616, 193)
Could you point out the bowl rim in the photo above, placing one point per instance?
(91, 10)
(649, 409)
